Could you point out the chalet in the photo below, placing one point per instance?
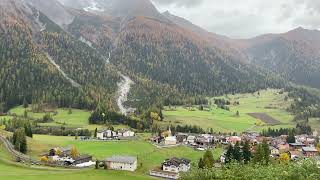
(171, 168)
(127, 163)
(125, 133)
(176, 165)
(310, 151)
(106, 134)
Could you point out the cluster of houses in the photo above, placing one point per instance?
(110, 134)
(64, 157)
(198, 141)
(303, 147)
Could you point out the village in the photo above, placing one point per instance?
(303, 147)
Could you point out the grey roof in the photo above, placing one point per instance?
(309, 149)
(122, 159)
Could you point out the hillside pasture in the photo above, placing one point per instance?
(272, 103)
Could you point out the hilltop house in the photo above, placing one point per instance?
(127, 163)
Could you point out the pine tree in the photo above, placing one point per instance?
(258, 155)
(291, 138)
(25, 103)
(266, 151)
(229, 154)
(95, 133)
(246, 152)
(201, 163)
(208, 159)
(237, 155)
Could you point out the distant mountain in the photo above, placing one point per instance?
(295, 54)
(116, 8)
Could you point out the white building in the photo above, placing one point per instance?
(125, 133)
(191, 139)
(176, 165)
(106, 134)
(170, 140)
(127, 163)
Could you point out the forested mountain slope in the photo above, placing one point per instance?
(295, 55)
(32, 62)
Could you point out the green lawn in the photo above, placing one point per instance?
(269, 101)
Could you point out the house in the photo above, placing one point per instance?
(125, 133)
(296, 146)
(164, 174)
(170, 140)
(233, 139)
(181, 137)
(309, 151)
(294, 155)
(204, 140)
(63, 156)
(274, 151)
(191, 139)
(171, 168)
(82, 159)
(283, 147)
(127, 163)
(106, 134)
(176, 165)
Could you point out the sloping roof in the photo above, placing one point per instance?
(176, 162)
(309, 149)
(122, 159)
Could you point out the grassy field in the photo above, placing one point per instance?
(148, 157)
(76, 119)
(269, 101)
(147, 154)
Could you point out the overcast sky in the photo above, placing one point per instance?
(246, 18)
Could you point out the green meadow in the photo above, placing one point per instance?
(270, 101)
(148, 157)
